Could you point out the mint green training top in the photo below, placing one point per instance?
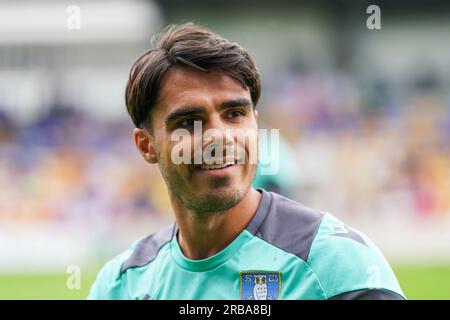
(287, 251)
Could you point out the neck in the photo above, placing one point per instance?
(202, 236)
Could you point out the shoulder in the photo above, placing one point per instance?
(287, 224)
(109, 283)
(147, 248)
(343, 259)
(349, 265)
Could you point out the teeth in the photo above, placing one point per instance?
(217, 166)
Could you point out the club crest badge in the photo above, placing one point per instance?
(260, 285)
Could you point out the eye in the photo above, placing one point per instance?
(235, 114)
(188, 123)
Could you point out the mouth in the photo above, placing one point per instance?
(216, 169)
(217, 166)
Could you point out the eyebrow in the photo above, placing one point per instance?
(183, 112)
(192, 110)
(240, 102)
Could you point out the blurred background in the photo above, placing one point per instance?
(364, 118)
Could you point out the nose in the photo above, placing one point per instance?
(214, 130)
(215, 122)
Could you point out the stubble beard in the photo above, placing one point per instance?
(210, 202)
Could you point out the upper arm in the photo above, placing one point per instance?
(348, 265)
(368, 294)
(108, 285)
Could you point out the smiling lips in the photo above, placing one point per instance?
(217, 166)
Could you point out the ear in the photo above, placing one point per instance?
(145, 144)
(256, 114)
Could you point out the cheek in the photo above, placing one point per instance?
(180, 151)
(247, 146)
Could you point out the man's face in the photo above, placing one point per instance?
(188, 97)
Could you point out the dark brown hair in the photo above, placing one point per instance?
(186, 45)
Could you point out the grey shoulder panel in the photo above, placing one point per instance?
(147, 249)
(261, 212)
(345, 232)
(368, 294)
(286, 224)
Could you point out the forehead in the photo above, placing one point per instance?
(189, 87)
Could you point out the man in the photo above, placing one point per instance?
(230, 241)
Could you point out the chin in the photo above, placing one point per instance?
(218, 199)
